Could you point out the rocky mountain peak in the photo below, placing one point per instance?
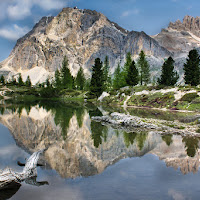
(189, 23)
(82, 36)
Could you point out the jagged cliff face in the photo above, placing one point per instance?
(189, 24)
(77, 155)
(81, 35)
(180, 37)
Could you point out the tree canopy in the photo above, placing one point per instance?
(96, 85)
(168, 76)
(191, 68)
(143, 66)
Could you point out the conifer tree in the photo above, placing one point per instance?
(107, 76)
(28, 82)
(96, 85)
(80, 79)
(143, 66)
(20, 81)
(67, 79)
(13, 81)
(132, 75)
(191, 68)
(124, 71)
(47, 83)
(117, 77)
(57, 79)
(168, 76)
(2, 80)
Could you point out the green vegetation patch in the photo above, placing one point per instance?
(157, 100)
(189, 97)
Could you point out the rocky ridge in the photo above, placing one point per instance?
(81, 35)
(180, 37)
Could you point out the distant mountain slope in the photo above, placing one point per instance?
(180, 37)
(81, 35)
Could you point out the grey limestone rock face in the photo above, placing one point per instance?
(189, 24)
(81, 35)
(180, 37)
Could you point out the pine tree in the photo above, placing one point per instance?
(80, 79)
(117, 77)
(28, 82)
(96, 85)
(47, 83)
(128, 61)
(143, 66)
(168, 76)
(124, 71)
(13, 81)
(132, 75)
(20, 81)
(66, 77)
(191, 68)
(2, 80)
(107, 76)
(57, 79)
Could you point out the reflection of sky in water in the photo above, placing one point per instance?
(145, 177)
(10, 153)
(132, 178)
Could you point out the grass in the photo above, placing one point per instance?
(189, 97)
(157, 100)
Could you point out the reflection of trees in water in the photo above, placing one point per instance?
(129, 138)
(80, 111)
(140, 138)
(191, 145)
(167, 139)
(99, 131)
(63, 112)
(2, 110)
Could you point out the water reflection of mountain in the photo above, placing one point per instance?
(77, 146)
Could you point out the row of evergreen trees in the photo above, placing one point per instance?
(18, 82)
(129, 75)
(132, 73)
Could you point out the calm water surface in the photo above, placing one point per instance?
(86, 160)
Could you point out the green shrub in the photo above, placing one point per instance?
(189, 97)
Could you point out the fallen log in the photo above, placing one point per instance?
(9, 177)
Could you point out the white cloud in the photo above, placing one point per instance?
(19, 9)
(14, 32)
(50, 4)
(130, 12)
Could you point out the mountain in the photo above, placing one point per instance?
(180, 37)
(81, 35)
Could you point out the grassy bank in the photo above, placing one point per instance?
(171, 98)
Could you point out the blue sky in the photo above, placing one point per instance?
(17, 17)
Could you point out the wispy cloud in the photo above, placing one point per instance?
(130, 12)
(19, 9)
(14, 32)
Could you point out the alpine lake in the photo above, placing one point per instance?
(85, 160)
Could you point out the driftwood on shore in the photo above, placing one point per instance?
(9, 177)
